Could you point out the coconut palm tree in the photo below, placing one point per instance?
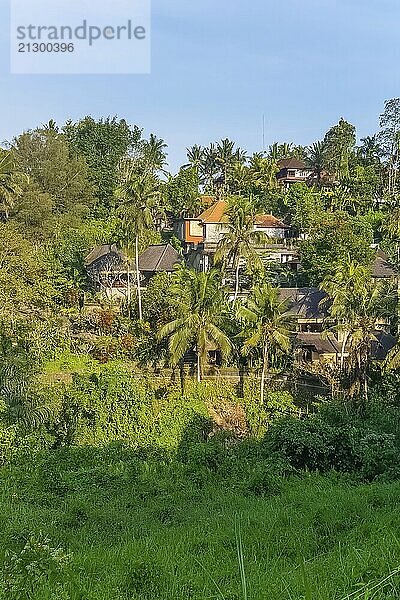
(370, 150)
(155, 156)
(226, 158)
(209, 167)
(263, 171)
(138, 195)
(280, 151)
(201, 305)
(316, 159)
(357, 302)
(10, 183)
(267, 326)
(195, 156)
(240, 239)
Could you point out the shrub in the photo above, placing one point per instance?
(34, 564)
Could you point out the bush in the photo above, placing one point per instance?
(316, 444)
(37, 562)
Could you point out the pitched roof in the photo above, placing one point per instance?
(101, 251)
(269, 221)
(381, 268)
(304, 302)
(322, 343)
(293, 163)
(215, 213)
(207, 200)
(160, 257)
(382, 345)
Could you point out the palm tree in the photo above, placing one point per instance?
(267, 326)
(155, 155)
(200, 307)
(263, 171)
(280, 151)
(51, 126)
(209, 166)
(316, 159)
(357, 302)
(138, 194)
(240, 239)
(370, 150)
(227, 157)
(195, 156)
(10, 187)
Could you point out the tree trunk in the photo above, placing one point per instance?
(138, 278)
(198, 366)
(129, 287)
(241, 378)
(344, 342)
(398, 290)
(182, 375)
(264, 372)
(237, 281)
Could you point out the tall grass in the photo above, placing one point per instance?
(142, 528)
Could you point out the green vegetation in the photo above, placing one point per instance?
(227, 427)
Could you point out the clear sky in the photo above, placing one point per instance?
(219, 65)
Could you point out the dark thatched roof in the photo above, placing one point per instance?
(101, 251)
(320, 343)
(304, 303)
(293, 163)
(382, 345)
(161, 257)
(381, 268)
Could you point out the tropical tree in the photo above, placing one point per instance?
(266, 326)
(226, 157)
(339, 144)
(209, 167)
(263, 171)
(138, 203)
(200, 307)
(240, 239)
(370, 150)
(316, 159)
(195, 156)
(280, 151)
(10, 183)
(181, 193)
(389, 138)
(357, 301)
(154, 154)
(103, 143)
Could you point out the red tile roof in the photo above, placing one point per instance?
(216, 213)
(269, 221)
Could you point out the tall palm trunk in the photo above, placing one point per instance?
(264, 371)
(129, 286)
(344, 342)
(138, 278)
(198, 366)
(398, 290)
(237, 280)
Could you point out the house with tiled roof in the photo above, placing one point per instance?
(110, 269)
(293, 170)
(200, 236)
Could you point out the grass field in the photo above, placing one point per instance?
(153, 529)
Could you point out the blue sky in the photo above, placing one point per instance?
(219, 65)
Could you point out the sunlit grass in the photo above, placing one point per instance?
(160, 530)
